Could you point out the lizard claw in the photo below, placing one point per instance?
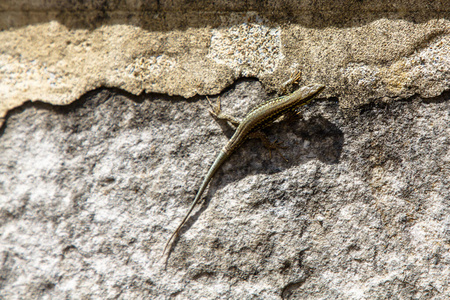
(294, 79)
(276, 146)
(215, 110)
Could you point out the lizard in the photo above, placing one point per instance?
(260, 117)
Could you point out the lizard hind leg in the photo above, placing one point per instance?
(268, 144)
(216, 112)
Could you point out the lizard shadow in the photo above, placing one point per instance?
(313, 139)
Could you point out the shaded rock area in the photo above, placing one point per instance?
(90, 193)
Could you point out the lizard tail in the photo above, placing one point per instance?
(212, 170)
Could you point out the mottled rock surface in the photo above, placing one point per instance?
(91, 192)
(92, 188)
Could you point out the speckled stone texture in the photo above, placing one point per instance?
(90, 193)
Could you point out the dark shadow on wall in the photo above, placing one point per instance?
(169, 15)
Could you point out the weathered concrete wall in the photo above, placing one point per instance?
(90, 191)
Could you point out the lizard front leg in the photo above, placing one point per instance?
(288, 84)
